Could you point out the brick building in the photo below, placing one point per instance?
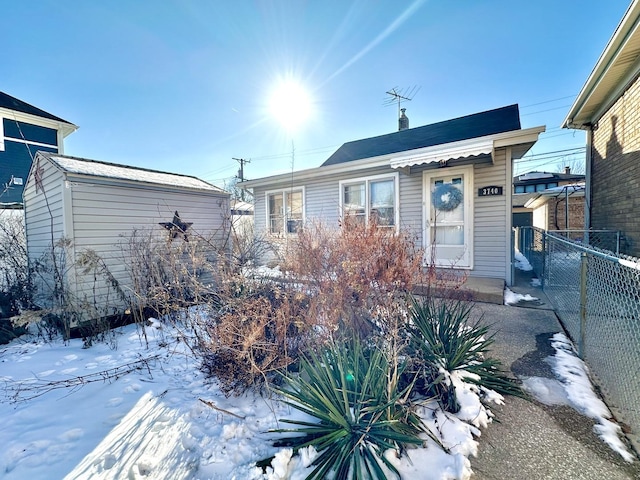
(608, 108)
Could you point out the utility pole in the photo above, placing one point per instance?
(240, 175)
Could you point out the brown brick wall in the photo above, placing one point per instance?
(576, 214)
(615, 170)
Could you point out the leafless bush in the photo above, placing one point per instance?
(167, 277)
(248, 246)
(262, 328)
(15, 282)
(357, 273)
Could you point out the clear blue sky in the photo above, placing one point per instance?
(183, 86)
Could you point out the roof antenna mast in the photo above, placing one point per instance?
(399, 96)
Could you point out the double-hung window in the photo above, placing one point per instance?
(285, 211)
(371, 199)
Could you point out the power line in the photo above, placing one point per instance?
(555, 151)
(548, 101)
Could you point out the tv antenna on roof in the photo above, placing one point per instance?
(399, 96)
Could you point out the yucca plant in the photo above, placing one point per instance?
(361, 412)
(444, 339)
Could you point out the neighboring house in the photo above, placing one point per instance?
(558, 208)
(242, 217)
(25, 129)
(608, 108)
(98, 205)
(448, 183)
(530, 184)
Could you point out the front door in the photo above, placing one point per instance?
(448, 205)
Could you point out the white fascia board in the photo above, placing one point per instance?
(517, 137)
(615, 46)
(448, 151)
(65, 128)
(302, 175)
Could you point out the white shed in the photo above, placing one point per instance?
(94, 205)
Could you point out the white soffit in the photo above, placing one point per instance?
(439, 153)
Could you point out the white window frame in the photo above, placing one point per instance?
(367, 192)
(284, 192)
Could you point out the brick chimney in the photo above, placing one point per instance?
(403, 121)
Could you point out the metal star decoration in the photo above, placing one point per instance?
(177, 227)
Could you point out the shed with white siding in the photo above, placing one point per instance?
(448, 183)
(96, 206)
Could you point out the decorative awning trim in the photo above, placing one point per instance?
(437, 153)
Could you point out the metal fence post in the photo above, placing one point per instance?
(583, 303)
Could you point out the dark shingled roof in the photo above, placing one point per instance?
(500, 120)
(12, 103)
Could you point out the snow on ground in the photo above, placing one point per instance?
(512, 298)
(136, 412)
(521, 262)
(573, 388)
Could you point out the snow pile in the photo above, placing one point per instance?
(521, 262)
(573, 388)
(137, 412)
(512, 298)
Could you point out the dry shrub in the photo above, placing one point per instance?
(167, 276)
(357, 273)
(261, 328)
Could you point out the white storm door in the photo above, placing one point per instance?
(448, 217)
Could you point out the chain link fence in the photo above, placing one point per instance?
(596, 295)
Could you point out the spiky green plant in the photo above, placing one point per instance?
(444, 337)
(359, 409)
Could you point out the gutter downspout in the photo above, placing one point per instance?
(587, 186)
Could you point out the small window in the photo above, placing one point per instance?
(519, 188)
(552, 185)
(285, 211)
(530, 188)
(540, 187)
(373, 198)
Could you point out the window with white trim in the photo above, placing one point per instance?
(371, 198)
(285, 211)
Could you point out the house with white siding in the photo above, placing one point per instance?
(449, 184)
(96, 206)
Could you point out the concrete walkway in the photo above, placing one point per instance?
(531, 440)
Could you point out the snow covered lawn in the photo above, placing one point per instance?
(136, 412)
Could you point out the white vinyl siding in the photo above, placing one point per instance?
(100, 215)
(105, 216)
(490, 225)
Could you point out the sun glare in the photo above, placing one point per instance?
(290, 104)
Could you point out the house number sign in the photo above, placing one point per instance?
(489, 191)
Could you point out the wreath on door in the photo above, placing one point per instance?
(446, 197)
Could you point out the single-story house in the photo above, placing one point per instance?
(98, 205)
(448, 183)
(25, 129)
(607, 107)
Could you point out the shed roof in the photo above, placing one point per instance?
(95, 168)
(13, 103)
(499, 120)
